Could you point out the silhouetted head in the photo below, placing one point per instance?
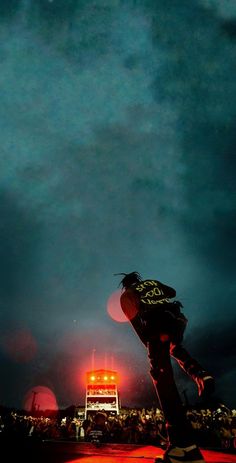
(129, 279)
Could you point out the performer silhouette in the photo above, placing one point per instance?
(160, 324)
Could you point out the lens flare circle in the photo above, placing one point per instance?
(40, 398)
(114, 309)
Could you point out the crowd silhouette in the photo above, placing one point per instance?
(212, 428)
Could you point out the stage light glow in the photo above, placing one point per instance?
(145, 453)
(105, 378)
(92, 378)
(114, 309)
(40, 398)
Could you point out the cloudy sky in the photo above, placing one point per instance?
(117, 154)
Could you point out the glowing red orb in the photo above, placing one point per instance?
(40, 398)
(114, 308)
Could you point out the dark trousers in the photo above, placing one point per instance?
(159, 352)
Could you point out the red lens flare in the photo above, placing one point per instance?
(40, 398)
(114, 308)
(20, 345)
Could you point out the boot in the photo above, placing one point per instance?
(190, 454)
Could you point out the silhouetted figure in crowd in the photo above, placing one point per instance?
(98, 431)
(160, 324)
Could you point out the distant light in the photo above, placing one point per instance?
(92, 378)
(105, 378)
(112, 377)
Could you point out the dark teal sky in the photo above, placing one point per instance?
(117, 154)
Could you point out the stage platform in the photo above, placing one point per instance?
(13, 450)
(83, 452)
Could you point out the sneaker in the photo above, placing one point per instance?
(205, 384)
(189, 454)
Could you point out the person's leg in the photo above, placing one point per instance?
(203, 379)
(178, 428)
(182, 447)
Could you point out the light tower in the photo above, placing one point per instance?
(101, 391)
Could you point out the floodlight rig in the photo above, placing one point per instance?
(101, 391)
